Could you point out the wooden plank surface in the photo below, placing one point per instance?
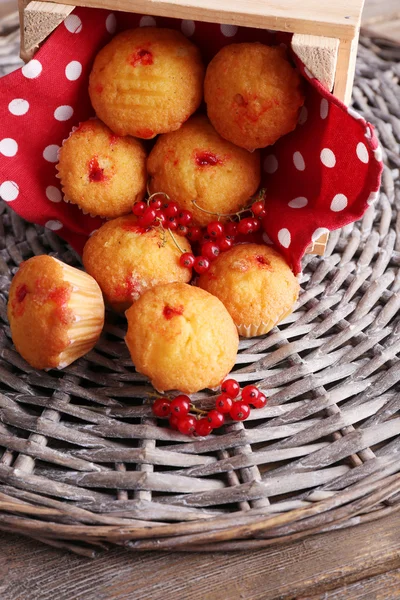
(381, 18)
(303, 570)
(338, 19)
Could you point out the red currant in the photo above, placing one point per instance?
(161, 408)
(173, 421)
(250, 393)
(201, 264)
(210, 250)
(139, 208)
(185, 217)
(230, 387)
(231, 228)
(155, 203)
(194, 234)
(160, 218)
(147, 218)
(258, 209)
(187, 260)
(182, 230)
(205, 238)
(256, 224)
(171, 209)
(246, 226)
(180, 405)
(239, 411)
(187, 424)
(171, 223)
(215, 229)
(260, 402)
(203, 427)
(223, 403)
(225, 243)
(215, 418)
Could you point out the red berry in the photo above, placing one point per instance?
(185, 217)
(139, 208)
(210, 250)
(225, 243)
(230, 387)
(194, 234)
(246, 226)
(260, 402)
(205, 238)
(182, 230)
(250, 393)
(239, 411)
(155, 203)
(215, 418)
(187, 260)
(173, 422)
(223, 403)
(201, 264)
(187, 424)
(147, 218)
(258, 209)
(172, 209)
(215, 229)
(256, 224)
(231, 228)
(203, 427)
(180, 405)
(161, 407)
(171, 223)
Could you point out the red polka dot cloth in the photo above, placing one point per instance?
(320, 177)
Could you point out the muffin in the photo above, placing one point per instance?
(146, 81)
(126, 260)
(195, 163)
(102, 173)
(253, 94)
(255, 284)
(56, 312)
(181, 337)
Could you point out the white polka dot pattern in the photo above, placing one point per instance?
(147, 21)
(328, 158)
(53, 224)
(32, 69)
(339, 203)
(9, 191)
(18, 107)
(73, 24)
(229, 30)
(270, 164)
(50, 153)
(73, 70)
(8, 147)
(284, 237)
(53, 194)
(324, 108)
(111, 23)
(362, 152)
(299, 202)
(188, 27)
(298, 161)
(63, 113)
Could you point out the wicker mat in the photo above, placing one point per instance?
(83, 464)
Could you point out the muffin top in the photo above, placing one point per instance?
(181, 337)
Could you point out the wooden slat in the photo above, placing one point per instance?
(339, 19)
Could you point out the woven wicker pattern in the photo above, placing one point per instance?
(83, 462)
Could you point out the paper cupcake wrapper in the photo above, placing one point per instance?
(261, 328)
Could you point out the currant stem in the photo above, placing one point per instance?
(154, 195)
(197, 410)
(220, 215)
(175, 242)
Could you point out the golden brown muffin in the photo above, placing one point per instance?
(195, 163)
(181, 337)
(126, 260)
(146, 81)
(56, 312)
(255, 284)
(102, 173)
(253, 94)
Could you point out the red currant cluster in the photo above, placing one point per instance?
(217, 237)
(180, 410)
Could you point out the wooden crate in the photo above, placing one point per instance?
(325, 33)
